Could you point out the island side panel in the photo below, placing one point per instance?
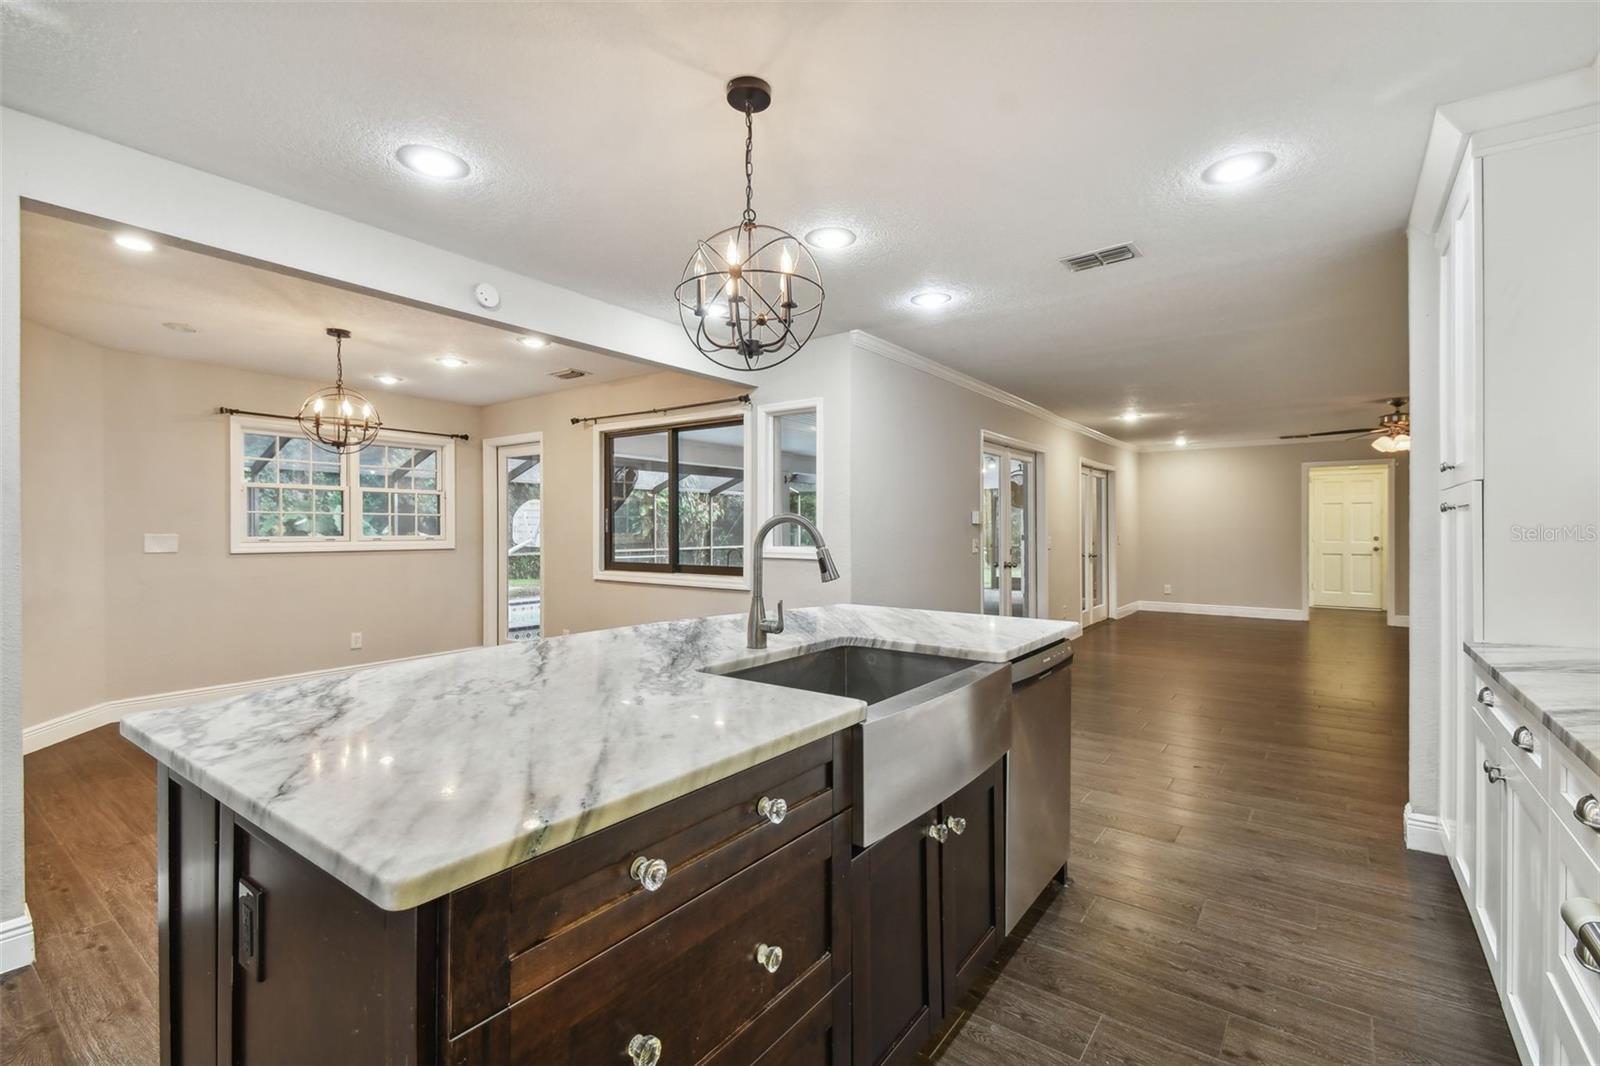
(186, 901)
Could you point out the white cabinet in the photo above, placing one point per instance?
(1526, 917)
(1488, 799)
(1460, 355)
(1571, 992)
(1459, 600)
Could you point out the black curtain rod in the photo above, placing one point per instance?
(745, 399)
(290, 418)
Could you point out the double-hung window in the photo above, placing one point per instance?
(290, 494)
(674, 498)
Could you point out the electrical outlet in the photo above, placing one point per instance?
(355, 641)
(974, 545)
(1166, 589)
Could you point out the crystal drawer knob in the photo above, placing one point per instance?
(956, 825)
(773, 810)
(769, 957)
(652, 874)
(939, 832)
(644, 1050)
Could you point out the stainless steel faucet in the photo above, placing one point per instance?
(760, 625)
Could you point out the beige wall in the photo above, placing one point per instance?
(1224, 525)
(116, 445)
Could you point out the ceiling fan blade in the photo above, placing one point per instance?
(1327, 433)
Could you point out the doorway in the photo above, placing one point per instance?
(1008, 554)
(1094, 505)
(514, 532)
(1347, 525)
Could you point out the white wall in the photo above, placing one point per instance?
(1423, 268)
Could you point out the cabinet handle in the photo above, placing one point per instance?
(956, 825)
(939, 832)
(1445, 468)
(769, 957)
(652, 874)
(1587, 811)
(1446, 508)
(1495, 774)
(1583, 918)
(1485, 697)
(644, 1050)
(1523, 738)
(773, 810)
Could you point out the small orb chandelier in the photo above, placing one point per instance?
(337, 417)
(750, 296)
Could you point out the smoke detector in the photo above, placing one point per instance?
(1117, 253)
(568, 373)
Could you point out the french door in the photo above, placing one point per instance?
(520, 476)
(1094, 502)
(1008, 554)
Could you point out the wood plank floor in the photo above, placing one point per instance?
(1241, 890)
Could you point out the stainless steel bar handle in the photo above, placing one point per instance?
(1523, 738)
(650, 873)
(1485, 696)
(1495, 774)
(644, 1050)
(1583, 919)
(1587, 811)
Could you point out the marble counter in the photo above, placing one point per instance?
(1559, 685)
(409, 780)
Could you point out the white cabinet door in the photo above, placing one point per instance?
(1460, 359)
(1571, 992)
(1458, 623)
(1526, 829)
(1489, 860)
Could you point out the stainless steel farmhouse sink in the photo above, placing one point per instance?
(933, 723)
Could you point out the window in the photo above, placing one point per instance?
(791, 471)
(293, 495)
(674, 498)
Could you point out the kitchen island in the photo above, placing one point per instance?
(447, 857)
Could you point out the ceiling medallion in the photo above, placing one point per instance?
(337, 417)
(750, 296)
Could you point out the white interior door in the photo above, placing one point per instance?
(520, 478)
(1007, 552)
(1094, 503)
(1347, 526)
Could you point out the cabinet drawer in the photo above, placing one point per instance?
(692, 980)
(1522, 735)
(1572, 992)
(820, 1038)
(1571, 782)
(514, 933)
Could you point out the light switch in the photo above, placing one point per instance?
(977, 518)
(974, 545)
(160, 543)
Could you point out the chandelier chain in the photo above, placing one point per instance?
(749, 165)
(338, 362)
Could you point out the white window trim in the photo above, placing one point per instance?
(766, 419)
(597, 478)
(242, 544)
(491, 527)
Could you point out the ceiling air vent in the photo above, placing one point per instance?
(568, 373)
(1117, 253)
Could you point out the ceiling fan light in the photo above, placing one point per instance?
(1386, 444)
(1402, 443)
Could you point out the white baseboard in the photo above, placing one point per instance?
(69, 725)
(16, 941)
(1125, 610)
(1281, 614)
(1423, 832)
(1403, 620)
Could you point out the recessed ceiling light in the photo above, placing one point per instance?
(1237, 168)
(432, 162)
(830, 237)
(1181, 441)
(451, 361)
(1130, 415)
(930, 299)
(532, 342)
(134, 242)
(387, 379)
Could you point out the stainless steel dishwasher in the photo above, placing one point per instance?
(1038, 776)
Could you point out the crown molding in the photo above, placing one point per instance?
(906, 357)
(1262, 442)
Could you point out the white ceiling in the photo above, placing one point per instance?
(77, 281)
(970, 145)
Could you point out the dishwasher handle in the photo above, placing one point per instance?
(1032, 667)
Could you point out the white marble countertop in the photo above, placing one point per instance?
(1560, 685)
(409, 780)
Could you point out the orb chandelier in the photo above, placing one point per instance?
(337, 417)
(750, 296)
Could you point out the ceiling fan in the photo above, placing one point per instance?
(1393, 433)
